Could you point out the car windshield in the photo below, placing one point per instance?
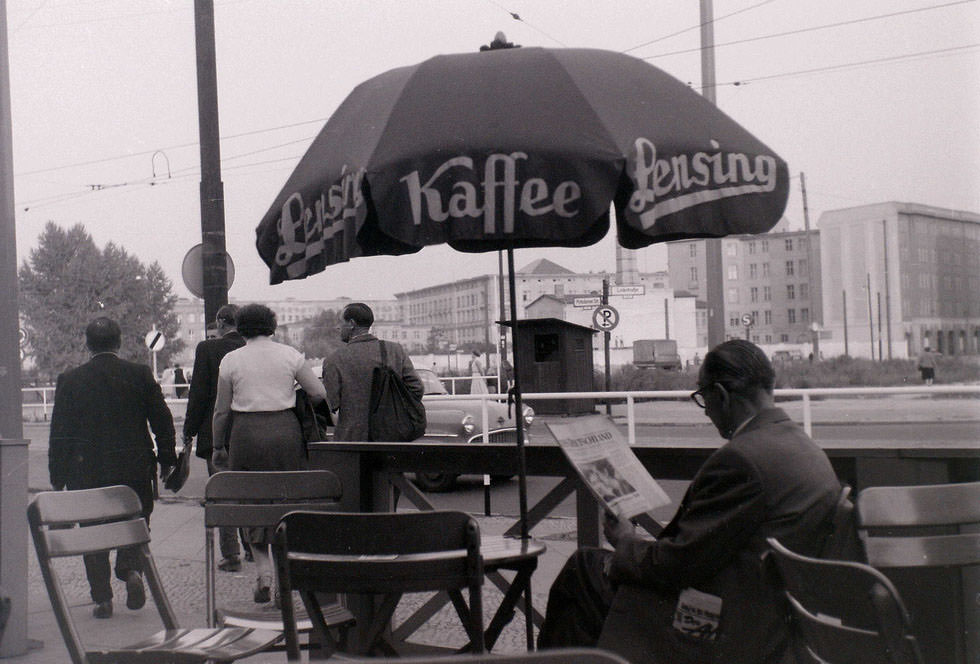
(431, 382)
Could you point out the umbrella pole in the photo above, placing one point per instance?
(518, 404)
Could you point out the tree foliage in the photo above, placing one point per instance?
(67, 281)
(321, 338)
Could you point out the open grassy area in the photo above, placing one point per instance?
(835, 372)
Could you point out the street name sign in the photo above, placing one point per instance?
(587, 302)
(628, 290)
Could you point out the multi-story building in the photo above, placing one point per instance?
(291, 314)
(772, 281)
(466, 312)
(901, 276)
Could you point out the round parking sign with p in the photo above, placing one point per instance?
(605, 318)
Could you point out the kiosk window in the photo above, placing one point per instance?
(546, 348)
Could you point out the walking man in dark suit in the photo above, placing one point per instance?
(200, 409)
(99, 438)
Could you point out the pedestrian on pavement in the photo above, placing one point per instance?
(699, 592)
(200, 411)
(254, 426)
(180, 382)
(478, 383)
(348, 371)
(927, 364)
(99, 437)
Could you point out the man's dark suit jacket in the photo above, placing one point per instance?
(99, 435)
(769, 480)
(204, 388)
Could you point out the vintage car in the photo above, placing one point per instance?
(461, 419)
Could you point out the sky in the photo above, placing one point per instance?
(872, 100)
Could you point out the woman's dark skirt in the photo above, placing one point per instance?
(266, 440)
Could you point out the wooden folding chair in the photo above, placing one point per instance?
(240, 499)
(556, 656)
(385, 554)
(74, 523)
(843, 612)
(926, 539)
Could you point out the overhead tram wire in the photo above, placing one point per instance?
(852, 65)
(170, 147)
(699, 26)
(810, 29)
(517, 17)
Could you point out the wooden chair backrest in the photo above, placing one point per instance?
(551, 656)
(934, 525)
(844, 611)
(74, 523)
(241, 499)
(381, 552)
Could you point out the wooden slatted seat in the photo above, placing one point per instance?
(74, 523)
(384, 554)
(239, 499)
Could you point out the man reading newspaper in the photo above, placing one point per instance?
(699, 592)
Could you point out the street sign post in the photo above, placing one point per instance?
(155, 341)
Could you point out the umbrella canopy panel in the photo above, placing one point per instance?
(519, 147)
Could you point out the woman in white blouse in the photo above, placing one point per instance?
(254, 425)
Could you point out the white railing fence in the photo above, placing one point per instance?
(38, 401)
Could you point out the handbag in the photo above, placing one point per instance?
(395, 413)
(182, 469)
(313, 419)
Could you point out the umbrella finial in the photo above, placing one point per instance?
(499, 41)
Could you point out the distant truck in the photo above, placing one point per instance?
(660, 353)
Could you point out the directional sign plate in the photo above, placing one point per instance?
(605, 318)
(587, 302)
(628, 290)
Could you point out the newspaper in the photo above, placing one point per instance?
(604, 460)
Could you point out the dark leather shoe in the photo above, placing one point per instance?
(103, 610)
(263, 592)
(135, 595)
(230, 564)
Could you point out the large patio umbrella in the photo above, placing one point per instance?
(512, 148)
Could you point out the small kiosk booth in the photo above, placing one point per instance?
(553, 355)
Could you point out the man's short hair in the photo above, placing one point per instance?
(226, 314)
(255, 320)
(360, 313)
(103, 335)
(740, 366)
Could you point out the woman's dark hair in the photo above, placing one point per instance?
(360, 313)
(740, 366)
(255, 320)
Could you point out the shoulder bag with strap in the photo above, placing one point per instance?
(395, 413)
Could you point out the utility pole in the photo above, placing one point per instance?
(714, 279)
(13, 448)
(888, 299)
(215, 269)
(871, 322)
(815, 338)
(845, 323)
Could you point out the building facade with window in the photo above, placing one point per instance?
(902, 276)
(773, 278)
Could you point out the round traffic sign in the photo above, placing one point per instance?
(155, 340)
(192, 270)
(605, 317)
(747, 320)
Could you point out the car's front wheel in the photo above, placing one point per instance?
(435, 482)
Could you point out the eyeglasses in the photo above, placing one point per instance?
(698, 397)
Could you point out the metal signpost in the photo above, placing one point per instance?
(155, 341)
(605, 318)
(747, 321)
